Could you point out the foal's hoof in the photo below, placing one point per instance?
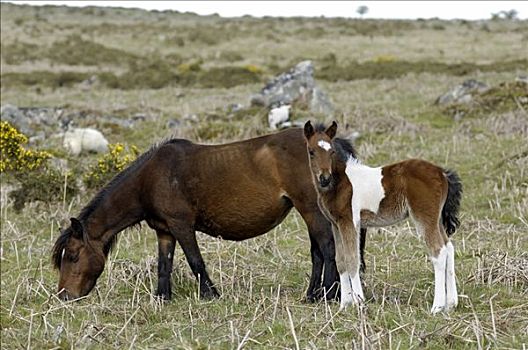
(436, 309)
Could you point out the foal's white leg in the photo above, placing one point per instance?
(440, 264)
(451, 288)
(351, 289)
(357, 289)
(347, 297)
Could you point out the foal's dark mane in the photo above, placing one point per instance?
(65, 236)
(343, 147)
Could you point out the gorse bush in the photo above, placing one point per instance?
(110, 165)
(37, 180)
(46, 184)
(13, 156)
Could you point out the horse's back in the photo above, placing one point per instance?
(236, 190)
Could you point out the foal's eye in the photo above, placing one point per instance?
(311, 152)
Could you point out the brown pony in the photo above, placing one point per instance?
(236, 191)
(353, 195)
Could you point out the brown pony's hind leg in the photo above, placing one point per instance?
(362, 239)
(323, 253)
(314, 288)
(166, 245)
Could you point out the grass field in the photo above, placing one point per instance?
(382, 76)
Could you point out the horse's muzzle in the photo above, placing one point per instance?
(65, 296)
(324, 181)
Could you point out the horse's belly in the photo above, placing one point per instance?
(239, 220)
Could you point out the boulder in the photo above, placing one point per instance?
(462, 93)
(297, 85)
(15, 117)
(79, 140)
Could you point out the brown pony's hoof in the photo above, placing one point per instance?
(209, 293)
(319, 294)
(314, 296)
(163, 296)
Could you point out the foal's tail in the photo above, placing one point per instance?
(452, 204)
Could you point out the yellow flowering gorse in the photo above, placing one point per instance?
(14, 157)
(110, 164)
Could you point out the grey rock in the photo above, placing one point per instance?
(297, 84)
(15, 117)
(522, 79)
(28, 120)
(463, 93)
(234, 107)
(320, 103)
(173, 123)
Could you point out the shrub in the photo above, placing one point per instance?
(110, 164)
(29, 168)
(46, 184)
(13, 156)
(227, 77)
(77, 51)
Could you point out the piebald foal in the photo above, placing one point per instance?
(353, 195)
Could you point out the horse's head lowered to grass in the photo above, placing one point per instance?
(79, 260)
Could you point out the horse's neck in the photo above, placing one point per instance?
(112, 213)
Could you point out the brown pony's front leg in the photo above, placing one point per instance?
(322, 252)
(187, 240)
(166, 245)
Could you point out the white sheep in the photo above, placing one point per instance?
(278, 115)
(77, 140)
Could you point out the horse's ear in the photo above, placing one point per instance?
(308, 130)
(331, 130)
(77, 228)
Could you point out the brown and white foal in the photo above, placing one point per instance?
(353, 195)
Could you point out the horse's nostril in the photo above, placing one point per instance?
(64, 296)
(324, 181)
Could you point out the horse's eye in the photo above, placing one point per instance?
(73, 257)
(311, 152)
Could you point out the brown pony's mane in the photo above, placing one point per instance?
(65, 236)
(343, 147)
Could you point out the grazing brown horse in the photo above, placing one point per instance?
(236, 191)
(353, 195)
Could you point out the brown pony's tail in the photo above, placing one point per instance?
(452, 204)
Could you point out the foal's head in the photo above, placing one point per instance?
(320, 152)
(79, 261)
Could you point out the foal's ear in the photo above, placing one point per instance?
(308, 130)
(77, 228)
(332, 129)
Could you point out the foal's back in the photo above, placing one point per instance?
(412, 184)
(237, 190)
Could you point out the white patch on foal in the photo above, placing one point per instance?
(324, 145)
(440, 264)
(366, 182)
